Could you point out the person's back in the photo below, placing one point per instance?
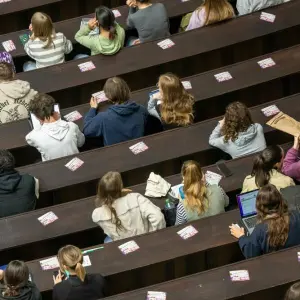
(249, 6)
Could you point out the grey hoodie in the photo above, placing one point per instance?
(15, 97)
(248, 142)
(57, 139)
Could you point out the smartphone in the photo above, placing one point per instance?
(55, 273)
(35, 123)
(224, 170)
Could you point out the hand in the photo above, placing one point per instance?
(222, 122)
(296, 142)
(236, 231)
(136, 42)
(131, 3)
(93, 23)
(93, 103)
(126, 190)
(58, 278)
(1, 274)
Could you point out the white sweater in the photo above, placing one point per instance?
(248, 6)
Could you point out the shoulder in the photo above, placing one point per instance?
(97, 278)
(259, 127)
(63, 286)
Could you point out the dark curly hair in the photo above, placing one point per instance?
(237, 119)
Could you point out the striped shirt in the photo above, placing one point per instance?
(54, 54)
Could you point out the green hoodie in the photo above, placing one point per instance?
(99, 44)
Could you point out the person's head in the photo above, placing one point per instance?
(7, 72)
(16, 276)
(42, 106)
(110, 189)
(7, 160)
(116, 90)
(217, 11)
(269, 159)
(70, 260)
(106, 20)
(293, 293)
(194, 187)
(273, 210)
(237, 119)
(42, 27)
(177, 104)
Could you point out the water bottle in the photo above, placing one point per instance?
(170, 212)
(169, 205)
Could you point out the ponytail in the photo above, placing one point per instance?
(80, 271)
(112, 32)
(11, 291)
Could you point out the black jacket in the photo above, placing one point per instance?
(28, 292)
(17, 193)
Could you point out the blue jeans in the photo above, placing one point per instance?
(79, 56)
(107, 240)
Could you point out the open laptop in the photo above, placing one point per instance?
(247, 206)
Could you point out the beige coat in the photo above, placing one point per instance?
(137, 214)
(279, 180)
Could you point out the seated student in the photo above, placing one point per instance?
(72, 282)
(276, 228)
(173, 105)
(56, 138)
(111, 35)
(236, 134)
(249, 6)
(17, 283)
(291, 162)
(15, 95)
(122, 213)
(293, 293)
(266, 169)
(18, 193)
(150, 20)
(210, 12)
(124, 120)
(45, 46)
(197, 198)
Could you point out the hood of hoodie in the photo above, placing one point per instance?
(57, 130)
(9, 181)
(247, 136)
(26, 293)
(125, 109)
(15, 89)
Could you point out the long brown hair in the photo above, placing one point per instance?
(43, 28)
(16, 276)
(194, 187)
(110, 189)
(177, 103)
(273, 211)
(237, 119)
(71, 257)
(217, 11)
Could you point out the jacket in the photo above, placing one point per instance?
(15, 97)
(99, 44)
(249, 6)
(257, 243)
(276, 178)
(248, 142)
(117, 124)
(28, 292)
(57, 139)
(138, 215)
(17, 193)
(291, 164)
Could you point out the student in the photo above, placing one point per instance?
(173, 105)
(276, 228)
(18, 193)
(111, 35)
(17, 284)
(249, 6)
(15, 95)
(150, 20)
(266, 169)
(72, 282)
(236, 134)
(291, 162)
(124, 120)
(210, 12)
(293, 293)
(45, 46)
(56, 138)
(122, 213)
(197, 198)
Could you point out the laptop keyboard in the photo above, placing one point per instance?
(251, 222)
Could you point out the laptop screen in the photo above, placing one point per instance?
(247, 203)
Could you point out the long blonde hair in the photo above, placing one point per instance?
(177, 104)
(43, 28)
(71, 257)
(194, 187)
(217, 11)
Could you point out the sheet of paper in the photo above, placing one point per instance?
(116, 13)
(74, 164)
(224, 76)
(9, 46)
(298, 254)
(86, 261)
(270, 110)
(129, 247)
(4, 1)
(187, 232)
(87, 66)
(266, 63)
(48, 218)
(24, 38)
(175, 190)
(73, 116)
(100, 96)
(138, 148)
(156, 295)
(187, 85)
(165, 44)
(49, 263)
(212, 178)
(240, 275)
(267, 17)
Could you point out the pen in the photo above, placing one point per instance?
(91, 250)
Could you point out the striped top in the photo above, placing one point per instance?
(54, 54)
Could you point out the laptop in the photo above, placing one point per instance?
(247, 206)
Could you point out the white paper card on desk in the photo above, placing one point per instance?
(212, 178)
(129, 247)
(224, 76)
(138, 148)
(4, 1)
(86, 261)
(187, 85)
(165, 44)
(187, 232)
(151, 295)
(239, 275)
(298, 255)
(87, 66)
(270, 110)
(266, 63)
(116, 13)
(74, 164)
(48, 218)
(49, 263)
(267, 17)
(73, 116)
(9, 46)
